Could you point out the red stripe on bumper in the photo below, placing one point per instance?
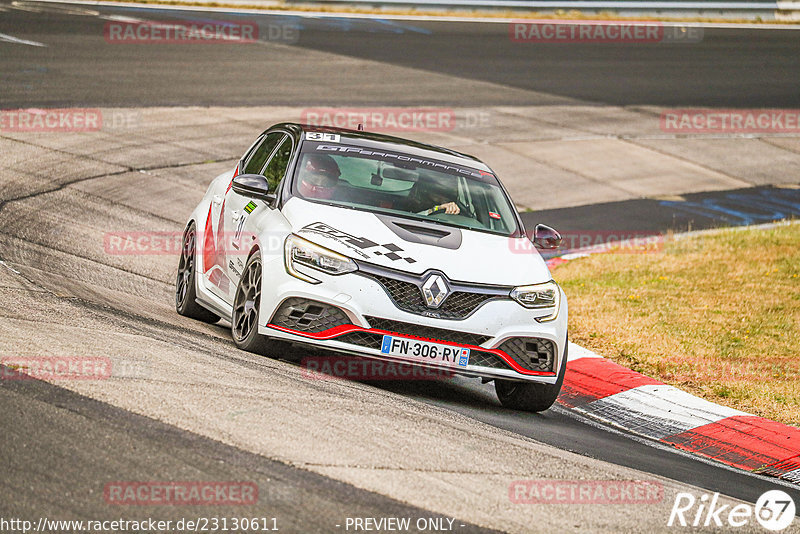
(330, 333)
(340, 330)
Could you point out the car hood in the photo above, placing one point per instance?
(480, 258)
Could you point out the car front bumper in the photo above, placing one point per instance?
(371, 313)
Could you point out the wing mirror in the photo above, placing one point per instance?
(253, 186)
(546, 237)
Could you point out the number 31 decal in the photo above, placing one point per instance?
(322, 136)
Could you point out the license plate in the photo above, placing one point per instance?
(424, 351)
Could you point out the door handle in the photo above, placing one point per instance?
(217, 200)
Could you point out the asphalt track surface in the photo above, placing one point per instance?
(118, 445)
(729, 67)
(78, 69)
(563, 429)
(697, 211)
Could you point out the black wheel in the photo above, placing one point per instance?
(185, 294)
(244, 320)
(527, 396)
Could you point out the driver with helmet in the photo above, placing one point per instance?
(318, 177)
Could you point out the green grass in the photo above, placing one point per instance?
(715, 314)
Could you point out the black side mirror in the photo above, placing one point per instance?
(253, 186)
(546, 237)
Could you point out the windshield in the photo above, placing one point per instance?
(403, 185)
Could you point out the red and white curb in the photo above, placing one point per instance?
(606, 391)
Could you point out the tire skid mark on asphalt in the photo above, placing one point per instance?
(140, 168)
(50, 248)
(154, 329)
(66, 184)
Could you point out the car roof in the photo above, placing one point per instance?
(384, 142)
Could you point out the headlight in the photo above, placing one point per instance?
(299, 251)
(539, 296)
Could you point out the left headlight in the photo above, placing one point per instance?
(539, 296)
(299, 251)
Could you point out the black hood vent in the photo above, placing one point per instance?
(423, 232)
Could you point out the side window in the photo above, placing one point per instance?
(277, 165)
(252, 149)
(259, 156)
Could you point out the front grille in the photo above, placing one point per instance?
(408, 297)
(530, 352)
(486, 359)
(427, 332)
(308, 315)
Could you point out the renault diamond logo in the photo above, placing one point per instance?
(435, 290)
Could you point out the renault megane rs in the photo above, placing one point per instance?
(379, 247)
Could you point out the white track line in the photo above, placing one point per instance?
(11, 39)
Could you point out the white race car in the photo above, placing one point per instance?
(378, 247)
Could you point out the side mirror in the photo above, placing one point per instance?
(546, 237)
(253, 186)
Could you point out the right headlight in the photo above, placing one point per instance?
(299, 251)
(539, 296)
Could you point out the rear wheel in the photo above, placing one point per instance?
(528, 396)
(185, 293)
(244, 319)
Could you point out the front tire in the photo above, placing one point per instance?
(244, 319)
(185, 289)
(527, 396)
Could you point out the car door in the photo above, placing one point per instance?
(217, 247)
(243, 212)
(254, 158)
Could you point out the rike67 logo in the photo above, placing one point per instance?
(774, 510)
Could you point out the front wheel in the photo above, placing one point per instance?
(244, 319)
(528, 396)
